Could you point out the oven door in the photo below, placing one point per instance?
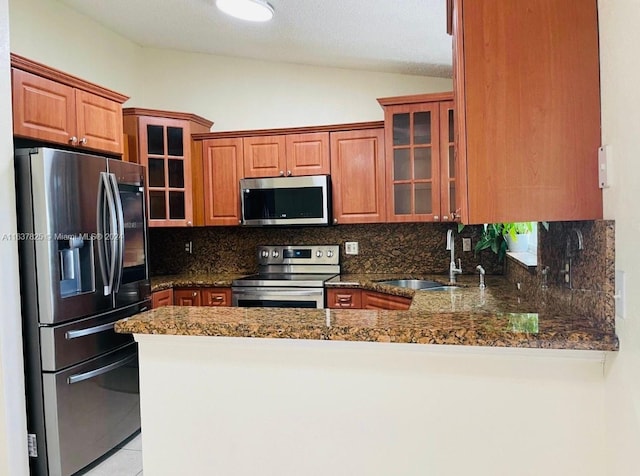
(278, 297)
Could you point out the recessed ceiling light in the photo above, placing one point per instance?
(250, 10)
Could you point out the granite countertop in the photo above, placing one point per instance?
(497, 316)
(223, 280)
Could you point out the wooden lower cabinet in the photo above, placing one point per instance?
(162, 298)
(375, 300)
(338, 298)
(202, 297)
(349, 298)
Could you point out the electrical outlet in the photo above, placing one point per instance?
(619, 294)
(466, 244)
(188, 247)
(351, 247)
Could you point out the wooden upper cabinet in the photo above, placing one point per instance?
(51, 106)
(161, 141)
(307, 154)
(419, 158)
(527, 99)
(223, 168)
(358, 176)
(264, 156)
(286, 155)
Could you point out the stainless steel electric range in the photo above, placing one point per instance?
(288, 276)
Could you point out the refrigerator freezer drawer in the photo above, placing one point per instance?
(68, 344)
(90, 408)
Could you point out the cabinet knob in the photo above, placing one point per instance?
(282, 173)
(445, 217)
(189, 223)
(436, 218)
(335, 221)
(83, 141)
(288, 173)
(73, 140)
(195, 294)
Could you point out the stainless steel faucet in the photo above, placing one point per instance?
(482, 273)
(452, 265)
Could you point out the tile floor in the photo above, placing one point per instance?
(125, 460)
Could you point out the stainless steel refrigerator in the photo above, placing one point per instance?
(83, 265)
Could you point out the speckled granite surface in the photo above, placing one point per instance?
(158, 283)
(499, 316)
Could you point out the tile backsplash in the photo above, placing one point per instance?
(411, 248)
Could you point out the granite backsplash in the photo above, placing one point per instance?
(383, 248)
(589, 249)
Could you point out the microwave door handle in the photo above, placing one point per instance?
(113, 229)
(119, 234)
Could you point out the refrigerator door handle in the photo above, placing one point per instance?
(88, 331)
(119, 234)
(102, 370)
(107, 268)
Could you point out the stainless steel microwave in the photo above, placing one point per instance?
(286, 200)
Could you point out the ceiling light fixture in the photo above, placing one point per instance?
(250, 10)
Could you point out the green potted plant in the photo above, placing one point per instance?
(500, 237)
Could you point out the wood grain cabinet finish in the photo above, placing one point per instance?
(286, 155)
(223, 169)
(51, 106)
(420, 178)
(375, 300)
(161, 141)
(340, 298)
(527, 99)
(202, 296)
(216, 297)
(162, 298)
(358, 176)
(187, 297)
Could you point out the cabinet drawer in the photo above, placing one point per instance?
(374, 300)
(162, 298)
(216, 297)
(344, 298)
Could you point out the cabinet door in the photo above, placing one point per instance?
(338, 298)
(528, 94)
(186, 297)
(162, 298)
(358, 176)
(216, 297)
(222, 165)
(264, 156)
(374, 300)
(98, 123)
(449, 208)
(413, 162)
(307, 154)
(42, 109)
(164, 150)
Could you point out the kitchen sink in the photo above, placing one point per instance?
(418, 284)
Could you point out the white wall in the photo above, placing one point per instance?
(620, 74)
(285, 407)
(242, 94)
(13, 429)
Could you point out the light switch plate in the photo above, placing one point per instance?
(351, 247)
(466, 244)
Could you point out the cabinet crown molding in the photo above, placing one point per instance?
(355, 126)
(184, 116)
(25, 64)
(416, 98)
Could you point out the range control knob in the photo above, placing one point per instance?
(319, 254)
(275, 253)
(264, 254)
(329, 254)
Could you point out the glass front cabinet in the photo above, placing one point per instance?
(161, 141)
(420, 159)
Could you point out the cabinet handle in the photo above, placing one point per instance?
(216, 298)
(288, 173)
(73, 140)
(83, 141)
(344, 299)
(282, 173)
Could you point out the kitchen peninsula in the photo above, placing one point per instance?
(356, 392)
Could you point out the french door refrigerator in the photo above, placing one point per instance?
(83, 265)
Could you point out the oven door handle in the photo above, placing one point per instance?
(294, 292)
